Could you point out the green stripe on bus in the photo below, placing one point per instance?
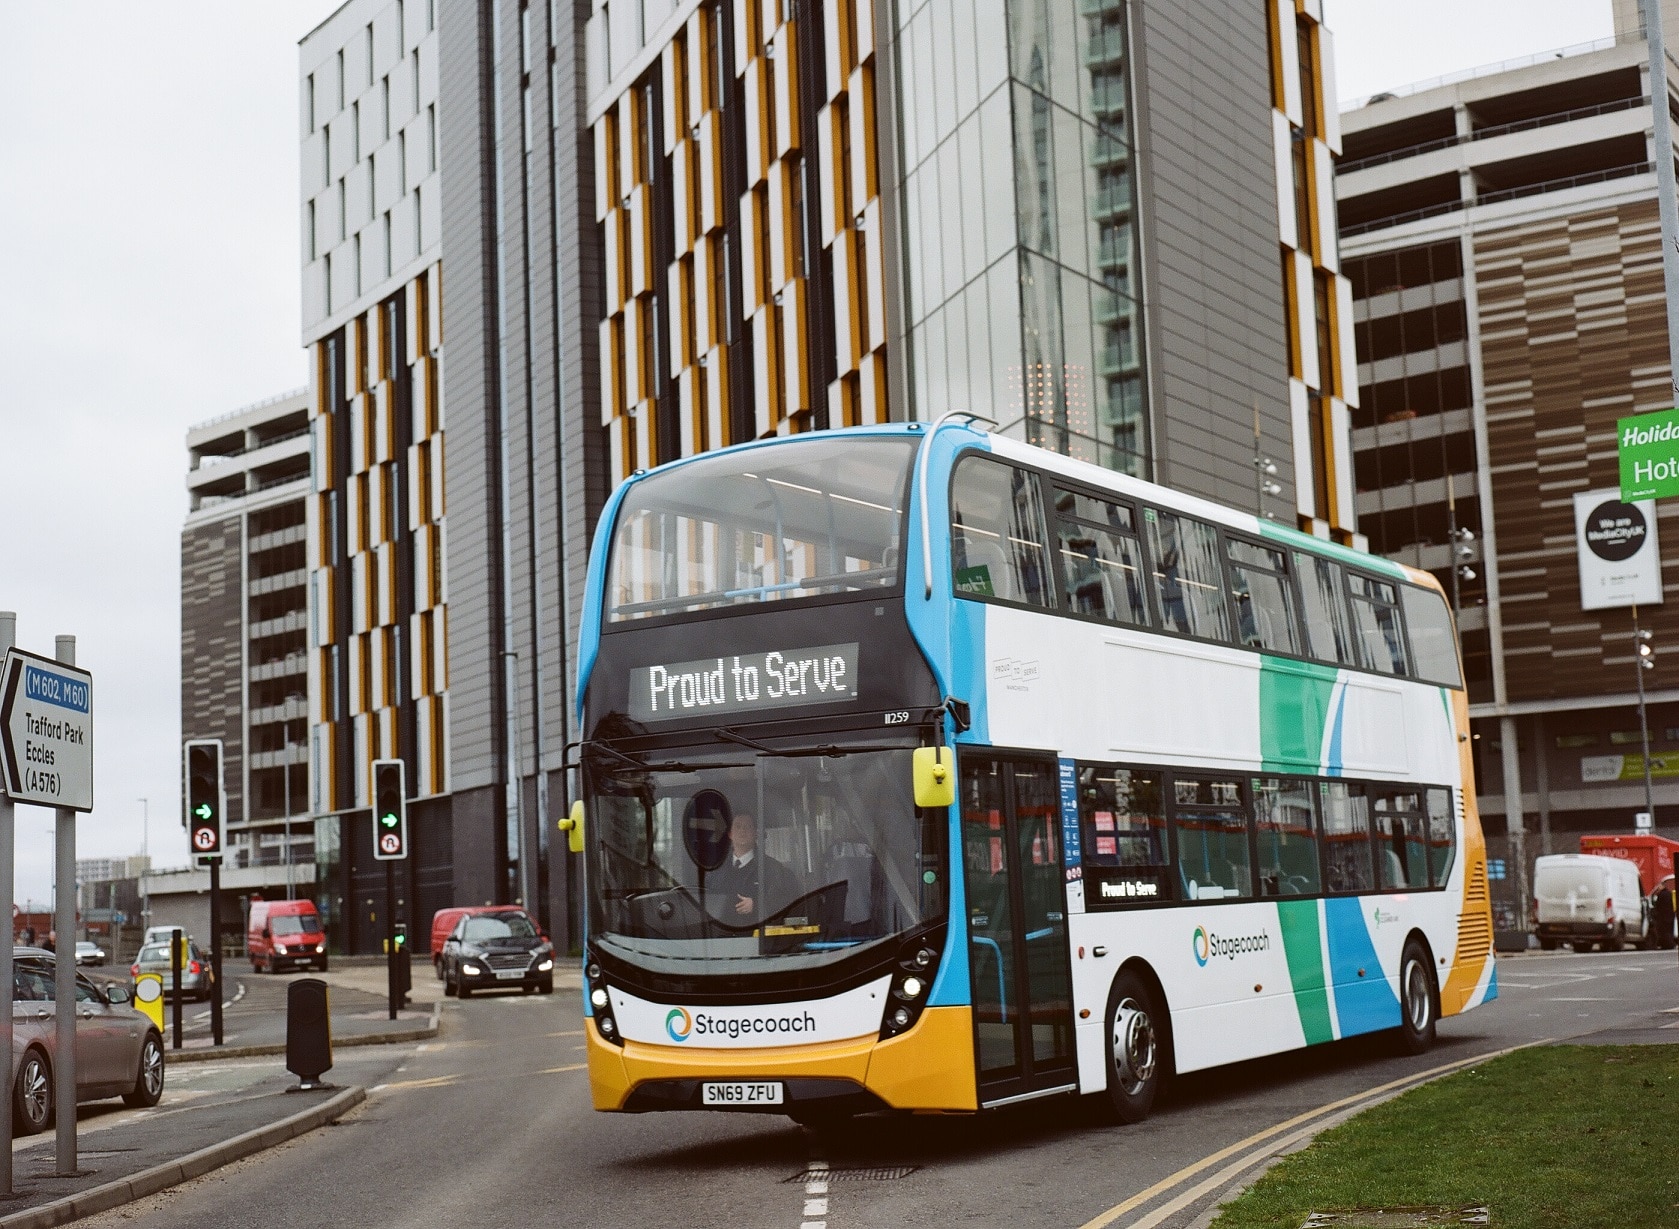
(1284, 535)
(1294, 699)
(1303, 945)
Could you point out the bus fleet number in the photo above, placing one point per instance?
(901, 717)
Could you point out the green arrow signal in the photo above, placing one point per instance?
(202, 811)
(388, 819)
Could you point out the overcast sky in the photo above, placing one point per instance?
(149, 243)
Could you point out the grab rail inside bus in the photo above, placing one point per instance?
(997, 955)
(921, 482)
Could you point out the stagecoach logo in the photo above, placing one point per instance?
(1381, 918)
(678, 1024)
(1207, 945)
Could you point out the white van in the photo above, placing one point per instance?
(1587, 900)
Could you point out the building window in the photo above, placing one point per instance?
(402, 158)
(385, 94)
(312, 252)
(340, 79)
(414, 71)
(358, 265)
(431, 136)
(419, 218)
(343, 199)
(368, 80)
(1308, 80)
(309, 101)
(355, 132)
(387, 243)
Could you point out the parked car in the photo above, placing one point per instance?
(1587, 900)
(89, 954)
(119, 1053)
(495, 951)
(445, 920)
(285, 932)
(197, 976)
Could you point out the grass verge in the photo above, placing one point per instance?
(1554, 1137)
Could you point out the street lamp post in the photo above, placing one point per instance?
(1644, 658)
(146, 859)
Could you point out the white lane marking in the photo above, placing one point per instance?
(816, 1197)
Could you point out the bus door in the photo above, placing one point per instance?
(1017, 926)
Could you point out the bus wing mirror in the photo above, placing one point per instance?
(935, 777)
(572, 826)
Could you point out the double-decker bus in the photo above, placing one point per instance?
(923, 769)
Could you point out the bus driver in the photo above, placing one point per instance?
(748, 880)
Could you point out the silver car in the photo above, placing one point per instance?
(119, 1053)
(197, 976)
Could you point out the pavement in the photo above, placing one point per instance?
(223, 1104)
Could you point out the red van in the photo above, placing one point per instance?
(285, 932)
(443, 921)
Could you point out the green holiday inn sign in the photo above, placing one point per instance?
(1649, 449)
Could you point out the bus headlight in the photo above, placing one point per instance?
(600, 1001)
(910, 988)
(597, 998)
(910, 985)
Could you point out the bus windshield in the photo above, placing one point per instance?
(795, 860)
(817, 516)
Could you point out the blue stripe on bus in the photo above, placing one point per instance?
(1364, 1003)
(1332, 765)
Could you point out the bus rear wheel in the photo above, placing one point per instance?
(1417, 998)
(1135, 1050)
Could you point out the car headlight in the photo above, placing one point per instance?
(545, 966)
(320, 949)
(471, 970)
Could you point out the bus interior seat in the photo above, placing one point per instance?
(983, 553)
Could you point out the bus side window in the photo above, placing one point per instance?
(1188, 575)
(1346, 837)
(1327, 636)
(1211, 828)
(1124, 841)
(998, 541)
(1442, 836)
(1380, 637)
(1433, 641)
(1101, 559)
(1265, 617)
(1288, 840)
(1400, 845)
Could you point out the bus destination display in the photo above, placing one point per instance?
(745, 682)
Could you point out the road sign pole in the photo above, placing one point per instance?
(216, 950)
(64, 966)
(8, 834)
(390, 936)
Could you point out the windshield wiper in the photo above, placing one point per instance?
(629, 761)
(824, 749)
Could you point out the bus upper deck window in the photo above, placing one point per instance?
(1188, 575)
(998, 542)
(1265, 617)
(1381, 638)
(1101, 559)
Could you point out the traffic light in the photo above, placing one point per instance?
(390, 811)
(206, 828)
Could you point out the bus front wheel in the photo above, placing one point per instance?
(1417, 1000)
(1136, 1047)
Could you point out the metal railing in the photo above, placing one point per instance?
(1495, 130)
(246, 409)
(1559, 185)
(1399, 219)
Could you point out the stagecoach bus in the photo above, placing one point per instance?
(923, 769)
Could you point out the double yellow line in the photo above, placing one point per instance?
(1292, 1131)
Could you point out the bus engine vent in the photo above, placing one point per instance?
(1475, 892)
(1474, 936)
(878, 1173)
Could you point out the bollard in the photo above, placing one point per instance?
(308, 1033)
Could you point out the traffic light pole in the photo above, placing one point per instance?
(216, 950)
(391, 988)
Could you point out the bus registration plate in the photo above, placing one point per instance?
(739, 1093)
